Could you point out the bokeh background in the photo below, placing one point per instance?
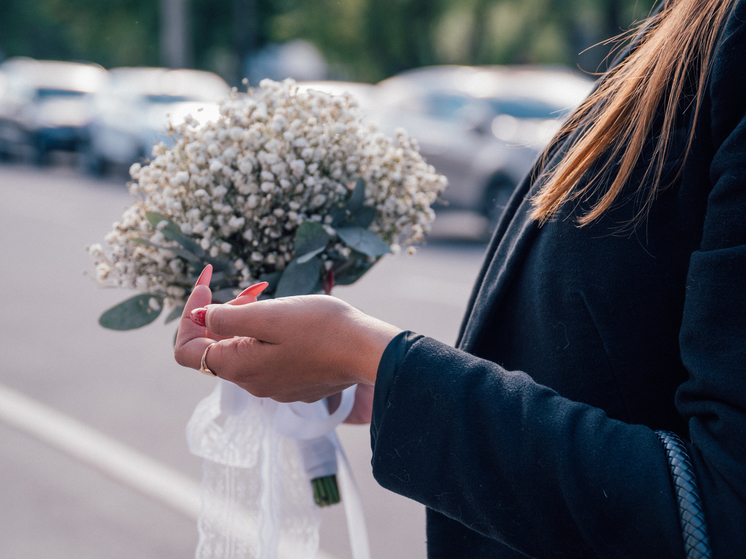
(93, 457)
(359, 40)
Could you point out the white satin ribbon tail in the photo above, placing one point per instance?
(259, 455)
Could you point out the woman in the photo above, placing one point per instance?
(610, 306)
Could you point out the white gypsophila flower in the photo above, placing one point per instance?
(240, 186)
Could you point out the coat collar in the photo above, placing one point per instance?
(512, 238)
(509, 243)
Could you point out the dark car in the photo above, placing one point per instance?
(45, 106)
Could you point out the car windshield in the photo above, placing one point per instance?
(523, 107)
(47, 92)
(444, 106)
(168, 98)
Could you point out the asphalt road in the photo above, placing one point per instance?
(93, 458)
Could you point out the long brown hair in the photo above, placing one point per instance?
(674, 46)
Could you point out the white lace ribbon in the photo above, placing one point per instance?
(259, 455)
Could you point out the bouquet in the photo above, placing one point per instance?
(286, 187)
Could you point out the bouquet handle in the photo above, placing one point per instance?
(245, 444)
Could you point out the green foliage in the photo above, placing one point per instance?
(190, 250)
(363, 241)
(175, 313)
(305, 273)
(310, 239)
(300, 278)
(111, 33)
(132, 313)
(365, 40)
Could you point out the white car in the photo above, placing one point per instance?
(482, 127)
(45, 105)
(134, 110)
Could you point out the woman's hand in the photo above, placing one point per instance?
(290, 349)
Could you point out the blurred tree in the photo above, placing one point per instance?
(364, 40)
(112, 33)
(399, 35)
(373, 39)
(544, 31)
(176, 46)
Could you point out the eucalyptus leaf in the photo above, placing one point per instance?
(363, 217)
(339, 215)
(224, 295)
(185, 254)
(132, 313)
(272, 279)
(306, 257)
(300, 279)
(310, 238)
(356, 199)
(363, 240)
(172, 232)
(176, 313)
(221, 264)
(220, 280)
(351, 273)
(345, 215)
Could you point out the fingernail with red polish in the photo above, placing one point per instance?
(255, 289)
(198, 316)
(205, 277)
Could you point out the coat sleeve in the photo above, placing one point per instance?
(514, 461)
(549, 477)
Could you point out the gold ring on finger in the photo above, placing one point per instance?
(203, 368)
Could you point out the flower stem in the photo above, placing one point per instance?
(325, 490)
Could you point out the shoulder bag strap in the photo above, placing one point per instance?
(691, 514)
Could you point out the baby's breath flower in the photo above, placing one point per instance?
(240, 187)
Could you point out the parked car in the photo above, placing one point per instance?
(45, 106)
(482, 127)
(135, 108)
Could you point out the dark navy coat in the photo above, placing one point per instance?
(536, 437)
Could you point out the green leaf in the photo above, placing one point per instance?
(339, 215)
(300, 279)
(346, 215)
(363, 240)
(306, 257)
(132, 313)
(172, 232)
(176, 313)
(310, 239)
(220, 280)
(356, 199)
(224, 295)
(221, 264)
(272, 279)
(363, 217)
(185, 254)
(352, 271)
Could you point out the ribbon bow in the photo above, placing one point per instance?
(259, 456)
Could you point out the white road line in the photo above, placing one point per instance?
(120, 462)
(124, 464)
